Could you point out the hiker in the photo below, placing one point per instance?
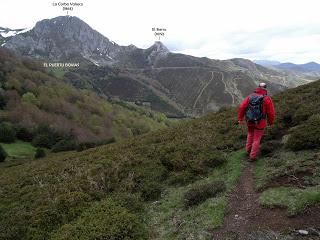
(257, 109)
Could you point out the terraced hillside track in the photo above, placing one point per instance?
(204, 87)
(245, 216)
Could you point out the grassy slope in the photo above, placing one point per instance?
(19, 149)
(54, 197)
(288, 172)
(169, 219)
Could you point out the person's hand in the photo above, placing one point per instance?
(240, 122)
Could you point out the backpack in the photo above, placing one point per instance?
(254, 109)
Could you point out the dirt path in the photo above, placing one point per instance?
(246, 216)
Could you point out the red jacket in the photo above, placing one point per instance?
(267, 108)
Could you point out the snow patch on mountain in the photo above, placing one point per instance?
(12, 32)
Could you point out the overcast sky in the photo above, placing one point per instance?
(284, 30)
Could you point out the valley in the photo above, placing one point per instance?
(166, 76)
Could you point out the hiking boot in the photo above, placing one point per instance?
(246, 157)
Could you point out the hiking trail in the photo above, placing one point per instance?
(245, 216)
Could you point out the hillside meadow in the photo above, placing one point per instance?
(140, 188)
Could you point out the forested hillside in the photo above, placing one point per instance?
(37, 107)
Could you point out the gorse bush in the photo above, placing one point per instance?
(202, 192)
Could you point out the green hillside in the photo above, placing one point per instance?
(174, 183)
(132, 87)
(37, 107)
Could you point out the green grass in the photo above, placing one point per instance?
(293, 199)
(169, 219)
(58, 72)
(286, 164)
(19, 149)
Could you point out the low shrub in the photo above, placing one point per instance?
(201, 193)
(306, 136)
(305, 111)
(132, 202)
(46, 137)
(212, 158)
(205, 160)
(103, 220)
(86, 145)
(7, 132)
(3, 101)
(267, 148)
(72, 204)
(64, 145)
(181, 178)
(177, 159)
(23, 133)
(151, 191)
(43, 141)
(40, 153)
(3, 154)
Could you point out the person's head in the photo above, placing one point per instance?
(263, 86)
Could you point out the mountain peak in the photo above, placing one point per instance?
(158, 46)
(157, 51)
(61, 22)
(65, 38)
(311, 63)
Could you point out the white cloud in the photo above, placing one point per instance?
(286, 30)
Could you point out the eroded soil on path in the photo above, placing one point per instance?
(246, 217)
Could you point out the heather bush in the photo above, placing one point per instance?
(103, 220)
(269, 147)
(200, 193)
(305, 136)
